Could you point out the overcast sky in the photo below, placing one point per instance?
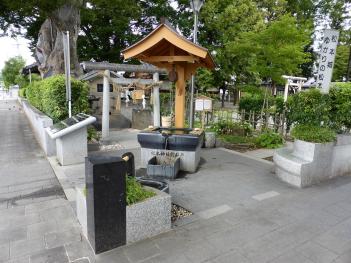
(10, 47)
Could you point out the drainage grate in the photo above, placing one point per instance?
(179, 212)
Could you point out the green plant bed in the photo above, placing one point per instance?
(135, 191)
(313, 133)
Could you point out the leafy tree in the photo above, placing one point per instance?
(339, 15)
(11, 73)
(99, 29)
(105, 34)
(277, 50)
(341, 61)
(222, 23)
(49, 19)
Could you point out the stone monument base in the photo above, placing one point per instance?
(189, 160)
(143, 220)
(72, 148)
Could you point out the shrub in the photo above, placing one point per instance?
(251, 89)
(269, 139)
(92, 134)
(135, 192)
(313, 133)
(251, 102)
(231, 128)
(49, 96)
(33, 94)
(22, 92)
(340, 95)
(309, 107)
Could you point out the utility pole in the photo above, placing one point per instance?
(196, 6)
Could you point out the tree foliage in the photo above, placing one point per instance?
(11, 73)
(277, 50)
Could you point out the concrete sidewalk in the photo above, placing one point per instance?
(37, 224)
(242, 213)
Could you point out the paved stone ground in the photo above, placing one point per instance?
(37, 223)
(242, 213)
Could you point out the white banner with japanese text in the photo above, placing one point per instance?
(326, 59)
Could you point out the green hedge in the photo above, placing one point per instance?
(340, 95)
(313, 133)
(309, 107)
(331, 110)
(49, 96)
(22, 92)
(253, 102)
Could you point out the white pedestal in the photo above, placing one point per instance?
(72, 148)
(189, 160)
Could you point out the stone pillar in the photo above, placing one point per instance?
(180, 98)
(106, 202)
(156, 102)
(106, 106)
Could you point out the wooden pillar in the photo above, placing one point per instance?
(118, 98)
(180, 98)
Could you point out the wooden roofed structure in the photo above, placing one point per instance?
(165, 48)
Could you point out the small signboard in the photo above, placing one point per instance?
(203, 103)
(326, 59)
(69, 125)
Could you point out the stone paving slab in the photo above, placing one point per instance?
(309, 225)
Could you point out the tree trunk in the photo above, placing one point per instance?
(49, 50)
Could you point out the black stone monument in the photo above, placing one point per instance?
(129, 163)
(106, 202)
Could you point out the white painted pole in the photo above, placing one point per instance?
(69, 76)
(156, 102)
(286, 90)
(106, 106)
(66, 54)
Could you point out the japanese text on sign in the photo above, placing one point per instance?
(326, 59)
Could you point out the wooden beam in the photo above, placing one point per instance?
(180, 98)
(171, 59)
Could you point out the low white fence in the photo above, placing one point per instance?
(39, 121)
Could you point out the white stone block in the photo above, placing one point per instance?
(307, 163)
(72, 148)
(189, 160)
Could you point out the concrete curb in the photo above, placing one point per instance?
(70, 192)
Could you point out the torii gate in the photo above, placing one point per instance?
(107, 67)
(290, 83)
(165, 48)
